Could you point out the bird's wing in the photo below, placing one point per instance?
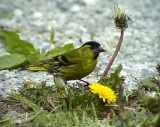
(69, 58)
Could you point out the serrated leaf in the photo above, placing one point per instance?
(12, 61)
(114, 80)
(59, 50)
(13, 44)
(9, 100)
(118, 70)
(149, 83)
(26, 101)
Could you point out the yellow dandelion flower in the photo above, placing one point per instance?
(104, 92)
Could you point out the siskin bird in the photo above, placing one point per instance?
(74, 64)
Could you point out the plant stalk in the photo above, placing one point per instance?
(114, 55)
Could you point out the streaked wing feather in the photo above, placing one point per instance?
(66, 59)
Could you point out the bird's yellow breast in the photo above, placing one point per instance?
(78, 71)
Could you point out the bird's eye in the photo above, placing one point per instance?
(93, 47)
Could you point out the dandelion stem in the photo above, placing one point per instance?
(114, 55)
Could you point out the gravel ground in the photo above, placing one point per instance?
(76, 20)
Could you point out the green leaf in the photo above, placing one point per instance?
(34, 117)
(156, 121)
(59, 83)
(12, 61)
(6, 122)
(114, 80)
(26, 101)
(52, 34)
(152, 103)
(59, 50)
(9, 100)
(35, 57)
(118, 70)
(149, 83)
(13, 44)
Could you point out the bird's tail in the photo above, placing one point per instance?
(34, 68)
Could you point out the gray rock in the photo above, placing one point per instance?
(78, 19)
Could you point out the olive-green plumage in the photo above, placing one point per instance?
(74, 64)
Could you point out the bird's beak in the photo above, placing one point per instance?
(100, 49)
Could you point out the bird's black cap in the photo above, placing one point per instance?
(92, 43)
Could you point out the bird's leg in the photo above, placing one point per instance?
(87, 83)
